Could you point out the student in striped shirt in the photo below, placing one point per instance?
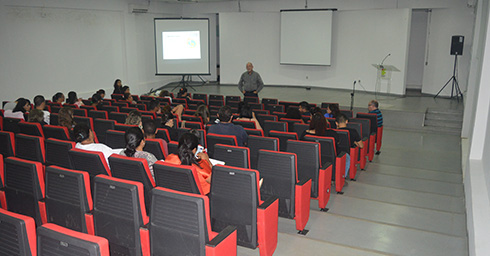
(373, 108)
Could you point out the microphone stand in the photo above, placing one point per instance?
(352, 96)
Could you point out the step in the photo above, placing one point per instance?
(445, 112)
(445, 130)
(438, 116)
(444, 123)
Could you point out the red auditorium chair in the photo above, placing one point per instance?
(238, 187)
(158, 147)
(57, 132)
(256, 143)
(283, 138)
(18, 234)
(11, 124)
(279, 114)
(233, 155)
(53, 118)
(97, 114)
(92, 162)
(348, 113)
(163, 133)
(216, 97)
(250, 99)
(101, 126)
(56, 240)
(291, 122)
(268, 101)
(7, 143)
(191, 118)
(365, 135)
(374, 132)
(57, 152)
(135, 169)
(34, 129)
(232, 98)
(3, 200)
(120, 215)
(173, 233)
(177, 177)
(329, 154)
(216, 103)
(118, 117)
(255, 132)
(299, 128)
(353, 152)
(279, 171)
(121, 105)
(309, 167)
(115, 139)
(88, 107)
(275, 108)
(123, 127)
(193, 125)
(255, 106)
(361, 151)
(125, 109)
(24, 188)
(80, 112)
(274, 125)
(213, 139)
(173, 147)
(30, 147)
(108, 108)
(69, 199)
(200, 96)
(245, 124)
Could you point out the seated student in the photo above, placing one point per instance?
(304, 107)
(168, 123)
(96, 100)
(65, 118)
(101, 93)
(125, 89)
(165, 94)
(40, 104)
(294, 113)
(188, 155)
(203, 112)
(154, 106)
(135, 142)
(127, 97)
(73, 99)
(225, 127)
(19, 110)
(246, 114)
(373, 108)
(84, 137)
(332, 111)
(355, 138)
(183, 94)
(36, 116)
(149, 129)
(134, 118)
(58, 98)
(117, 87)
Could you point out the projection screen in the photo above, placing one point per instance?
(182, 46)
(306, 37)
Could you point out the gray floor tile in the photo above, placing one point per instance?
(413, 173)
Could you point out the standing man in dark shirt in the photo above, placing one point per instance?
(250, 82)
(355, 138)
(225, 127)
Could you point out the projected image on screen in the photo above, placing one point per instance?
(181, 45)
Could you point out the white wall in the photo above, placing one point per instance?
(416, 50)
(50, 46)
(360, 38)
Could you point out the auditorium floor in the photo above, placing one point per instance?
(409, 201)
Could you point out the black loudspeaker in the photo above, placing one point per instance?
(457, 43)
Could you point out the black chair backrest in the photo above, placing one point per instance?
(30, 147)
(89, 161)
(18, 234)
(115, 139)
(108, 108)
(267, 101)
(24, 187)
(53, 119)
(233, 201)
(274, 126)
(348, 113)
(232, 155)
(216, 97)
(344, 140)
(291, 123)
(7, 144)
(283, 138)
(256, 143)
(308, 160)
(201, 96)
(68, 197)
(176, 177)
(11, 124)
(34, 129)
(173, 147)
(256, 106)
(192, 118)
(119, 209)
(164, 134)
(366, 126)
(193, 125)
(327, 148)
(123, 127)
(255, 132)
(174, 233)
(213, 139)
(79, 112)
(57, 152)
(275, 108)
(57, 132)
(261, 118)
(355, 126)
(87, 120)
(245, 124)
(373, 118)
(157, 147)
(101, 126)
(118, 117)
(232, 98)
(217, 103)
(299, 128)
(278, 169)
(102, 114)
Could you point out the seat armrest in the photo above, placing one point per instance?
(302, 203)
(221, 236)
(325, 165)
(267, 220)
(302, 182)
(341, 154)
(267, 202)
(89, 222)
(145, 241)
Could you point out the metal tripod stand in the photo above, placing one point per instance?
(455, 90)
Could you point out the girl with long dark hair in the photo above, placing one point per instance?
(117, 87)
(135, 142)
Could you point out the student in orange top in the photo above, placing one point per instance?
(187, 155)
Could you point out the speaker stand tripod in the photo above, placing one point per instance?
(455, 90)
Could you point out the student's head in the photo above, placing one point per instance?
(168, 119)
(203, 112)
(293, 113)
(128, 97)
(154, 106)
(39, 102)
(117, 84)
(72, 97)
(96, 99)
(224, 114)
(134, 140)
(164, 93)
(22, 105)
(101, 93)
(134, 118)
(187, 148)
(245, 111)
(315, 110)
(36, 116)
(65, 117)
(82, 133)
(373, 105)
(333, 109)
(58, 97)
(249, 66)
(304, 107)
(182, 92)
(318, 124)
(125, 89)
(149, 129)
(341, 120)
